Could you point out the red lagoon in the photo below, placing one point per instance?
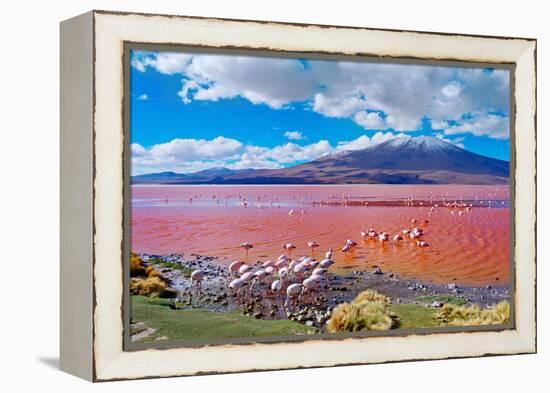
(467, 227)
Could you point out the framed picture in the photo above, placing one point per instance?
(245, 195)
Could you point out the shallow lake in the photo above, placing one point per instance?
(467, 246)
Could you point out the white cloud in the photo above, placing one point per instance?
(370, 120)
(374, 95)
(455, 141)
(481, 124)
(143, 97)
(199, 149)
(294, 135)
(189, 155)
(439, 125)
(364, 141)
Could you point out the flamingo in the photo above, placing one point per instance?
(397, 238)
(293, 293)
(289, 247)
(313, 245)
(326, 263)
(276, 286)
(371, 233)
(328, 254)
(383, 237)
(311, 284)
(244, 268)
(267, 264)
(236, 286)
(347, 248)
(196, 277)
(246, 246)
(270, 270)
(352, 243)
(234, 268)
(281, 263)
(364, 235)
(258, 278)
(300, 268)
(422, 244)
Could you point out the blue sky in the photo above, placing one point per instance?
(195, 111)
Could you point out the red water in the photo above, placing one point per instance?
(468, 247)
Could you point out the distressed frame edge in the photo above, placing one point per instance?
(528, 339)
(76, 196)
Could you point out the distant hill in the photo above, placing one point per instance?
(403, 160)
(207, 176)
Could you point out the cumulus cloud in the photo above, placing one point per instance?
(364, 141)
(481, 124)
(378, 96)
(370, 120)
(455, 141)
(191, 155)
(294, 135)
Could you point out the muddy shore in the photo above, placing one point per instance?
(341, 286)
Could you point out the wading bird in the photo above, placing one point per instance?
(313, 245)
(196, 278)
(289, 247)
(246, 246)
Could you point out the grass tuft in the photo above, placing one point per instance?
(370, 295)
(368, 311)
(453, 315)
(150, 286)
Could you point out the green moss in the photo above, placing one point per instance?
(442, 298)
(185, 271)
(197, 324)
(414, 316)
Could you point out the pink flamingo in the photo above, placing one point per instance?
(244, 268)
(289, 247)
(311, 285)
(246, 246)
(293, 293)
(276, 287)
(267, 264)
(383, 237)
(233, 269)
(326, 263)
(397, 238)
(196, 277)
(422, 244)
(328, 254)
(313, 245)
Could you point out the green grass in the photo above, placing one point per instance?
(414, 316)
(442, 298)
(185, 271)
(197, 324)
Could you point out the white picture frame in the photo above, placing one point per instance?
(92, 194)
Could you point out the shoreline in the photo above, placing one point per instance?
(340, 288)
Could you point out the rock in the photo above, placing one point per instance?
(377, 271)
(452, 286)
(169, 293)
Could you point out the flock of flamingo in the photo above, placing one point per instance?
(302, 278)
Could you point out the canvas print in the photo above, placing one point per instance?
(275, 197)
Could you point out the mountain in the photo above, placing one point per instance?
(402, 160)
(208, 176)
